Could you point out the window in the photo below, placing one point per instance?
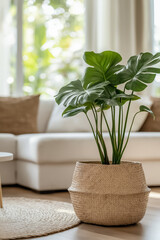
(53, 41)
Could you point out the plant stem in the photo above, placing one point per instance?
(114, 154)
(101, 118)
(95, 137)
(124, 130)
(128, 134)
(101, 133)
(104, 147)
(122, 121)
(100, 136)
(119, 126)
(109, 131)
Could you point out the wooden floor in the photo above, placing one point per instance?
(147, 229)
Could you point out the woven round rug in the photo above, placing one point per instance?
(24, 217)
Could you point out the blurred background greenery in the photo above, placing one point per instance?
(53, 43)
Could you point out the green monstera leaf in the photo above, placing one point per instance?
(113, 70)
(104, 65)
(93, 76)
(102, 61)
(115, 97)
(72, 111)
(73, 94)
(138, 72)
(143, 108)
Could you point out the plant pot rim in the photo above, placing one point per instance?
(104, 165)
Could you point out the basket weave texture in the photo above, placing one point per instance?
(109, 194)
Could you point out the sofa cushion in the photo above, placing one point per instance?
(8, 143)
(79, 123)
(150, 124)
(57, 123)
(143, 146)
(44, 112)
(134, 108)
(45, 177)
(19, 115)
(56, 147)
(72, 147)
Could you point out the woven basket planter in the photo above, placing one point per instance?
(109, 194)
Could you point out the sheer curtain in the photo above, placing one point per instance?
(5, 40)
(124, 26)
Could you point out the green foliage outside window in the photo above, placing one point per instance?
(53, 42)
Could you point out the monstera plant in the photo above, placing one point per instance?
(100, 90)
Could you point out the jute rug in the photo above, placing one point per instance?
(24, 217)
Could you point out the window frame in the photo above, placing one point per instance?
(19, 81)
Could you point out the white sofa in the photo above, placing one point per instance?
(45, 161)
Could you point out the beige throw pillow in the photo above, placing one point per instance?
(57, 123)
(19, 115)
(153, 125)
